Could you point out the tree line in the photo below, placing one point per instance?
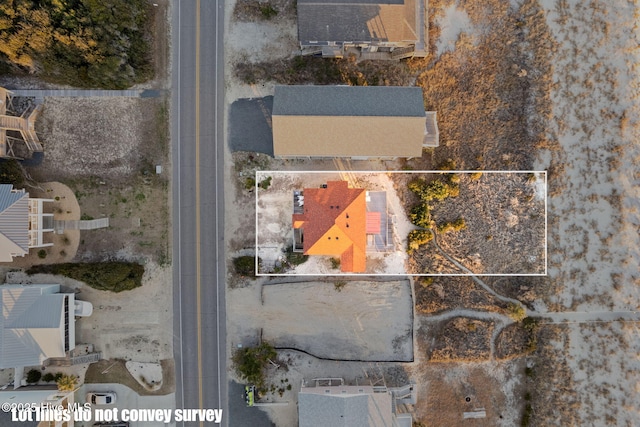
(85, 43)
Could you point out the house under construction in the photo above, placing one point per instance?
(18, 137)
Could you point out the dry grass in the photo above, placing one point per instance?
(460, 339)
(439, 294)
(504, 227)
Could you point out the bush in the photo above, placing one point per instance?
(11, 173)
(335, 263)
(435, 190)
(48, 377)
(265, 183)
(42, 254)
(516, 311)
(456, 225)
(245, 265)
(67, 382)
(295, 258)
(249, 183)
(114, 276)
(250, 362)
(268, 11)
(418, 238)
(33, 376)
(420, 215)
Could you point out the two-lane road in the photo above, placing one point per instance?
(198, 205)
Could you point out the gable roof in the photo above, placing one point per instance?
(32, 325)
(376, 121)
(14, 222)
(357, 21)
(348, 409)
(334, 222)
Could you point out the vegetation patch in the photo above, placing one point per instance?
(114, 276)
(11, 173)
(251, 362)
(245, 265)
(82, 43)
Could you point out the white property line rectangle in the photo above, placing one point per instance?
(506, 235)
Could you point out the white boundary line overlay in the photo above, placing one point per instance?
(262, 174)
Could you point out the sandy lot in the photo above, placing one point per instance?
(368, 321)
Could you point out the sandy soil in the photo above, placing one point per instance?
(370, 321)
(593, 238)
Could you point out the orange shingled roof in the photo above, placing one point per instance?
(334, 224)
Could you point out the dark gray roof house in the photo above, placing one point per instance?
(351, 121)
(370, 29)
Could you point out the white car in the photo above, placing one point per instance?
(82, 308)
(101, 398)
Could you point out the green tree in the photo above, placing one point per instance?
(250, 362)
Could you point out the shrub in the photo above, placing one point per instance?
(42, 254)
(11, 173)
(295, 258)
(420, 215)
(245, 265)
(418, 238)
(475, 176)
(516, 311)
(48, 377)
(250, 362)
(456, 225)
(265, 183)
(339, 285)
(268, 11)
(114, 276)
(33, 376)
(249, 183)
(335, 263)
(67, 382)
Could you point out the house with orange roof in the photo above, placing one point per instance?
(333, 221)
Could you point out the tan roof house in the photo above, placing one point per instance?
(369, 29)
(23, 223)
(358, 122)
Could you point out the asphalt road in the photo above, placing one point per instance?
(198, 205)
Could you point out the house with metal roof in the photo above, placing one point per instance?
(23, 222)
(37, 323)
(358, 122)
(328, 404)
(368, 29)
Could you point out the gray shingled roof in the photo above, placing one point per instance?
(331, 410)
(14, 216)
(380, 101)
(356, 20)
(30, 324)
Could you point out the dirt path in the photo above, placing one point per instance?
(466, 270)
